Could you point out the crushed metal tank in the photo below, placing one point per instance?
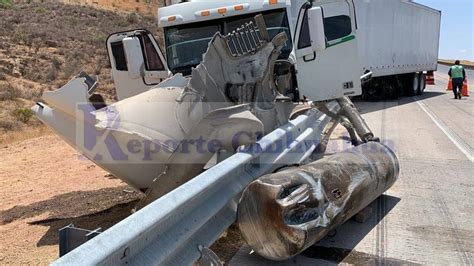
(282, 214)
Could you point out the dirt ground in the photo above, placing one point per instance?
(46, 185)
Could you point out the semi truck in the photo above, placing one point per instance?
(246, 94)
(329, 47)
(333, 49)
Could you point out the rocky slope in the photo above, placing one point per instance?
(43, 45)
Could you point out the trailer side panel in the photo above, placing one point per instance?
(397, 37)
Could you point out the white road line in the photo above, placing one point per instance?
(460, 144)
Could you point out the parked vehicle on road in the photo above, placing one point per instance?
(331, 44)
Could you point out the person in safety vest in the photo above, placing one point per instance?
(458, 75)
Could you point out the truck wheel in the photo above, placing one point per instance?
(415, 85)
(422, 86)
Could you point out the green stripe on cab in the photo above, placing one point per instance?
(342, 40)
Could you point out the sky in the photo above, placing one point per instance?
(457, 28)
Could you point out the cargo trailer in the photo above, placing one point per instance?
(398, 43)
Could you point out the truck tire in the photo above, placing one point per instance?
(422, 86)
(414, 84)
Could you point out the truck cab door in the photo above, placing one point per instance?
(330, 68)
(136, 61)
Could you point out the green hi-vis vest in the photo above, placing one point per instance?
(456, 71)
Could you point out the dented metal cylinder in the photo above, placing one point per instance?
(282, 214)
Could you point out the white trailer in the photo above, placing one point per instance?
(396, 40)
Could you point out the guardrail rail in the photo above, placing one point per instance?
(174, 229)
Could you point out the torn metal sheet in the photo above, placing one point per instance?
(228, 94)
(243, 80)
(282, 214)
(219, 126)
(242, 77)
(147, 139)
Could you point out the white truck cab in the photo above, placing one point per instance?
(137, 62)
(319, 61)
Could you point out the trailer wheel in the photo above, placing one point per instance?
(415, 85)
(422, 86)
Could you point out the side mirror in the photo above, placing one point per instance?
(316, 29)
(134, 55)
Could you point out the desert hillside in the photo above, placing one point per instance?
(43, 45)
(148, 7)
(45, 184)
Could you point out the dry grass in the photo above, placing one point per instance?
(44, 186)
(23, 134)
(43, 45)
(52, 42)
(6, 4)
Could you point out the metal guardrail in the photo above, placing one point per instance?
(173, 229)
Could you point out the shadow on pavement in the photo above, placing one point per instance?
(339, 247)
(365, 107)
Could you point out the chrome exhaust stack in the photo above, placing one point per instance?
(282, 214)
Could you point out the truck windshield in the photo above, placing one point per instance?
(185, 44)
